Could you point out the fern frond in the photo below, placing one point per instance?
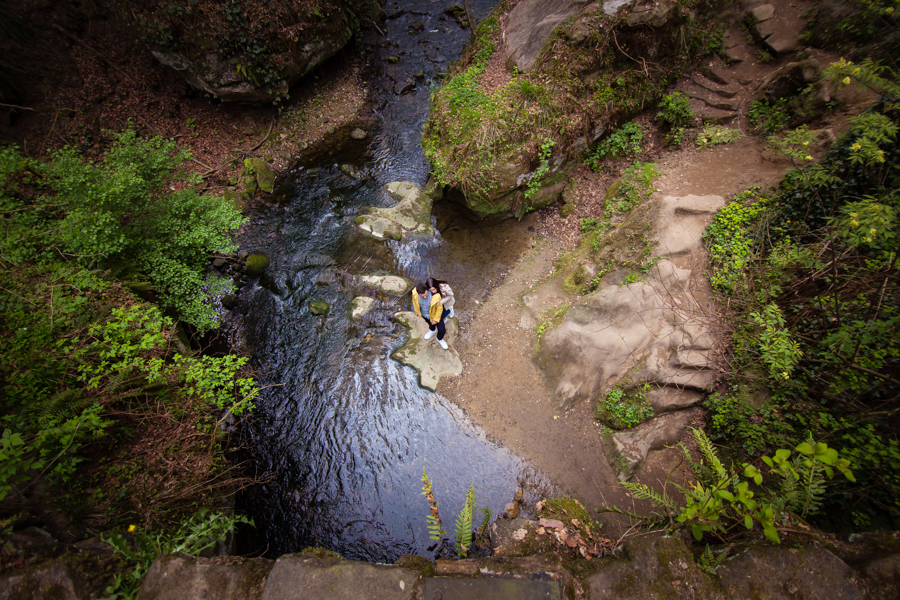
(486, 517)
(464, 523)
(62, 406)
(643, 492)
(708, 451)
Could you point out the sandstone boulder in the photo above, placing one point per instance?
(360, 306)
(642, 330)
(781, 573)
(530, 24)
(426, 356)
(410, 217)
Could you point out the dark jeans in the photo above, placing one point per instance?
(441, 328)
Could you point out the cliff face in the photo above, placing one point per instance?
(248, 51)
(542, 82)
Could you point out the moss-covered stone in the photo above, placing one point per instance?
(256, 264)
(264, 176)
(319, 307)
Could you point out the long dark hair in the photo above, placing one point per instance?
(431, 282)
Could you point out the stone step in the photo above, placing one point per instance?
(728, 91)
(298, 576)
(712, 115)
(451, 588)
(716, 74)
(711, 99)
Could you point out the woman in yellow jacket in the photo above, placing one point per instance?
(424, 302)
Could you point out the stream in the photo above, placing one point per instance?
(342, 430)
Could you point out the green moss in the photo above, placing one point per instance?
(321, 553)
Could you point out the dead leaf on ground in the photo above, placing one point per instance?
(552, 523)
(576, 522)
(541, 531)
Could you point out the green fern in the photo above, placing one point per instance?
(486, 517)
(465, 523)
(435, 530)
(62, 405)
(643, 492)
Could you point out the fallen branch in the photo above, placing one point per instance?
(14, 106)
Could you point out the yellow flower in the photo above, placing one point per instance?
(855, 147)
(846, 81)
(132, 528)
(889, 10)
(806, 143)
(808, 157)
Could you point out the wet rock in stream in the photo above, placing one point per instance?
(426, 356)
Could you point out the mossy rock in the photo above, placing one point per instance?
(319, 307)
(256, 264)
(566, 211)
(265, 178)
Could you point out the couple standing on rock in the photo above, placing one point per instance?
(435, 299)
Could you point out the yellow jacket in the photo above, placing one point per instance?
(435, 310)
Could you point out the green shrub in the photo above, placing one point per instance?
(624, 141)
(636, 186)
(625, 409)
(675, 110)
(122, 210)
(767, 117)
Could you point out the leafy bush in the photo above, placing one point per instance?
(721, 500)
(625, 409)
(809, 270)
(122, 213)
(675, 110)
(624, 141)
(767, 117)
(199, 533)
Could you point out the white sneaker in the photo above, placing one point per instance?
(452, 313)
(443, 344)
(430, 334)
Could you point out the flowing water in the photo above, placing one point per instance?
(343, 430)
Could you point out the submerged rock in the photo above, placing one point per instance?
(360, 306)
(389, 284)
(426, 356)
(411, 216)
(256, 263)
(319, 307)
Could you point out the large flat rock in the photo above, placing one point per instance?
(681, 222)
(295, 576)
(655, 568)
(426, 356)
(781, 573)
(178, 576)
(643, 329)
(450, 588)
